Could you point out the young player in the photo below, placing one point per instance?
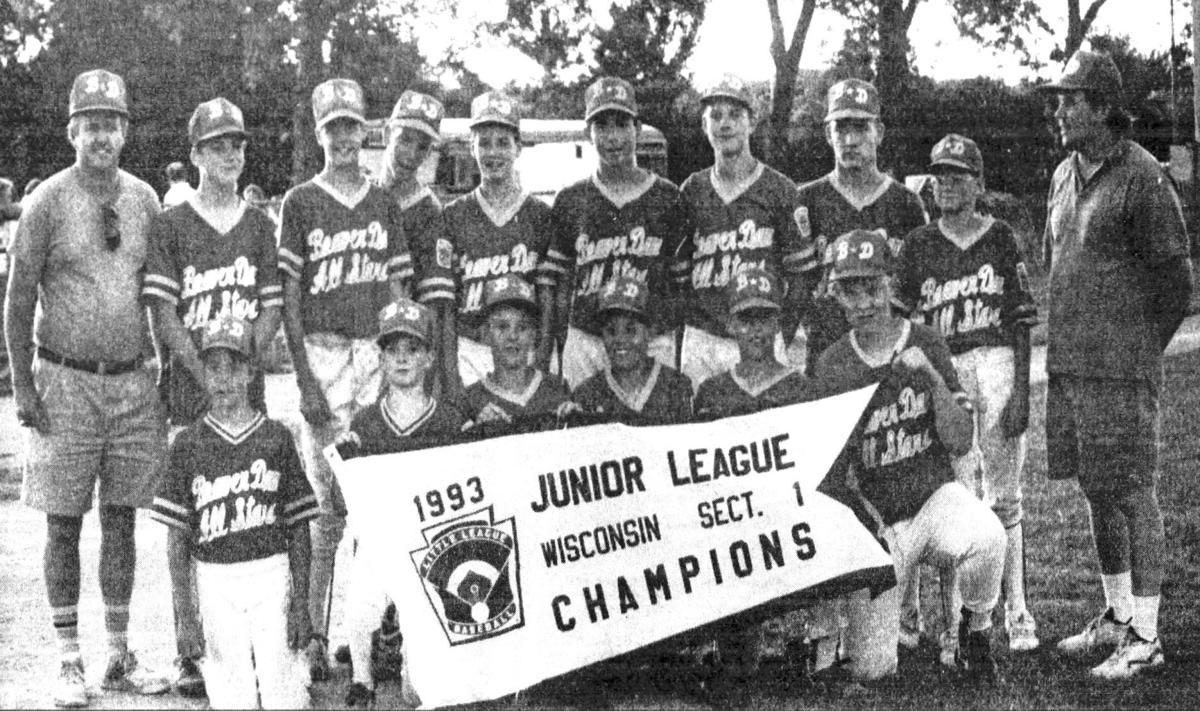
(899, 460)
(406, 417)
(855, 195)
(634, 388)
(744, 215)
(237, 503)
(965, 277)
(624, 221)
(516, 392)
(343, 256)
(495, 229)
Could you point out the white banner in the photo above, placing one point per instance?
(521, 558)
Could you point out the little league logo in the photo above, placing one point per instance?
(470, 571)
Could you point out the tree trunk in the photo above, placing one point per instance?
(787, 68)
(892, 70)
(313, 20)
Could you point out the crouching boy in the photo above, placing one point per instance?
(237, 501)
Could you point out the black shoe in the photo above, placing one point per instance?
(974, 656)
(359, 696)
(189, 682)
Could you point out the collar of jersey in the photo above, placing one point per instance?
(637, 400)
(231, 436)
(500, 216)
(395, 426)
(349, 201)
(756, 390)
(522, 398)
(621, 198)
(190, 202)
(967, 241)
(857, 204)
(737, 190)
(899, 345)
(415, 197)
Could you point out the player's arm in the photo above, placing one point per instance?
(400, 263)
(172, 334)
(954, 423)
(187, 616)
(554, 276)
(1019, 317)
(299, 562)
(313, 404)
(28, 258)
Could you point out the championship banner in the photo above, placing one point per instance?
(521, 558)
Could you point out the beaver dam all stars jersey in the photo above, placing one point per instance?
(489, 242)
(343, 251)
(972, 296)
(755, 227)
(599, 236)
(664, 399)
(899, 458)
(376, 431)
(432, 253)
(728, 394)
(542, 397)
(237, 492)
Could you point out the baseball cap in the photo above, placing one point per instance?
(852, 98)
(214, 118)
(230, 333)
(404, 316)
(492, 107)
(728, 87)
(98, 90)
(418, 111)
(1088, 71)
(337, 98)
(509, 289)
(609, 94)
(626, 294)
(957, 151)
(859, 253)
(754, 289)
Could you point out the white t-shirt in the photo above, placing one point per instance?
(176, 194)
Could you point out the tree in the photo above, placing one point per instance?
(1078, 26)
(786, 57)
(650, 40)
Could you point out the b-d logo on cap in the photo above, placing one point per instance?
(470, 571)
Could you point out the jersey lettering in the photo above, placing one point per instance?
(747, 236)
(520, 260)
(636, 244)
(240, 273)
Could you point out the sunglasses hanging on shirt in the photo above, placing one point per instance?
(112, 227)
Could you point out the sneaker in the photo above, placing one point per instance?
(1022, 632)
(974, 657)
(911, 629)
(948, 648)
(318, 660)
(1103, 632)
(125, 674)
(70, 691)
(359, 696)
(189, 682)
(1133, 656)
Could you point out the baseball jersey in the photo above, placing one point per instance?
(542, 397)
(432, 253)
(343, 251)
(488, 242)
(598, 237)
(898, 457)
(375, 431)
(728, 394)
(664, 399)
(972, 296)
(755, 228)
(236, 492)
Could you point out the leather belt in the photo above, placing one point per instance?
(97, 367)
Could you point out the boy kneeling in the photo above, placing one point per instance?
(236, 499)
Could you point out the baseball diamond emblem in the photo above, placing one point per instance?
(803, 223)
(471, 575)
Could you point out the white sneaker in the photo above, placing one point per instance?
(126, 674)
(1022, 632)
(70, 691)
(911, 629)
(1133, 656)
(948, 648)
(1101, 633)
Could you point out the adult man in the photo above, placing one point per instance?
(855, 195)
(344, 257)
(178, 189)
(746, 215)
(88, 396)
(1119, 286)
(622, 221)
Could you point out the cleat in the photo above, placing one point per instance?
(358, 696)
(911, 629)
(1102, 633)
(189, 682)
(1022, 632)
(974, 657)
(70, 690)
(125, 674)
(318, 661)
(1133, 656)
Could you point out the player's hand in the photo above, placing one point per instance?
(30, 410)
(313, 405)
(567, 409)
(299, 626)
(191, 637)
(912, 359)
(492, 413)
(1014, 418)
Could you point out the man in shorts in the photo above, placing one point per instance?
(1120, 281)
(83, 383)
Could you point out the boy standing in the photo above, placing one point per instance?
(344, 256)
(236, 500)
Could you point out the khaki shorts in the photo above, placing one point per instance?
(106, 428)
(1103, 432)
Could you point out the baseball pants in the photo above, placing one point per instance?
(583, 355)
(247, 661)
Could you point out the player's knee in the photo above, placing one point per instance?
(1009, 511)
(117, 520)
(63, 530)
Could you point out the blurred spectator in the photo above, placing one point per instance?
(9, 212)
(178, 189)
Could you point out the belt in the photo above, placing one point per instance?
(97, 367)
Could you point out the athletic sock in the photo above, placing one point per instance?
(1145, 616)
(979, 621)
(116, 623)
(66, 631)
(1118, 593)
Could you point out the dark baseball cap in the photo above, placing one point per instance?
(852, 98)
(215, 118)
(609, 94)
(730, 88)
(1088, 71)
(230, 333)
(955, 151)
(512, 290)
(624, 294)
(407, 317)
(338, 98)
(418, 111)
(492, 107)
(753, 289)
(98, 90)
(859, 253)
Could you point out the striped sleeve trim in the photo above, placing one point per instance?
(400, 267)
(303, 509)
(271, 302)
(170, 513)
(161, 282)
(270, 291)
(435, 289)
(544, 279)
(154, 292)
(290, 263)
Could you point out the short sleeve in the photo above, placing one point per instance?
(270, 287)
(908, 289)
(798, 253)
(172, 504)
(559, 260)
(433, 253)
(1019, 307)
(292, 228)
(30, 245)
(1157, 219)
(161, 279)
(400, 263)
(299, 502)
